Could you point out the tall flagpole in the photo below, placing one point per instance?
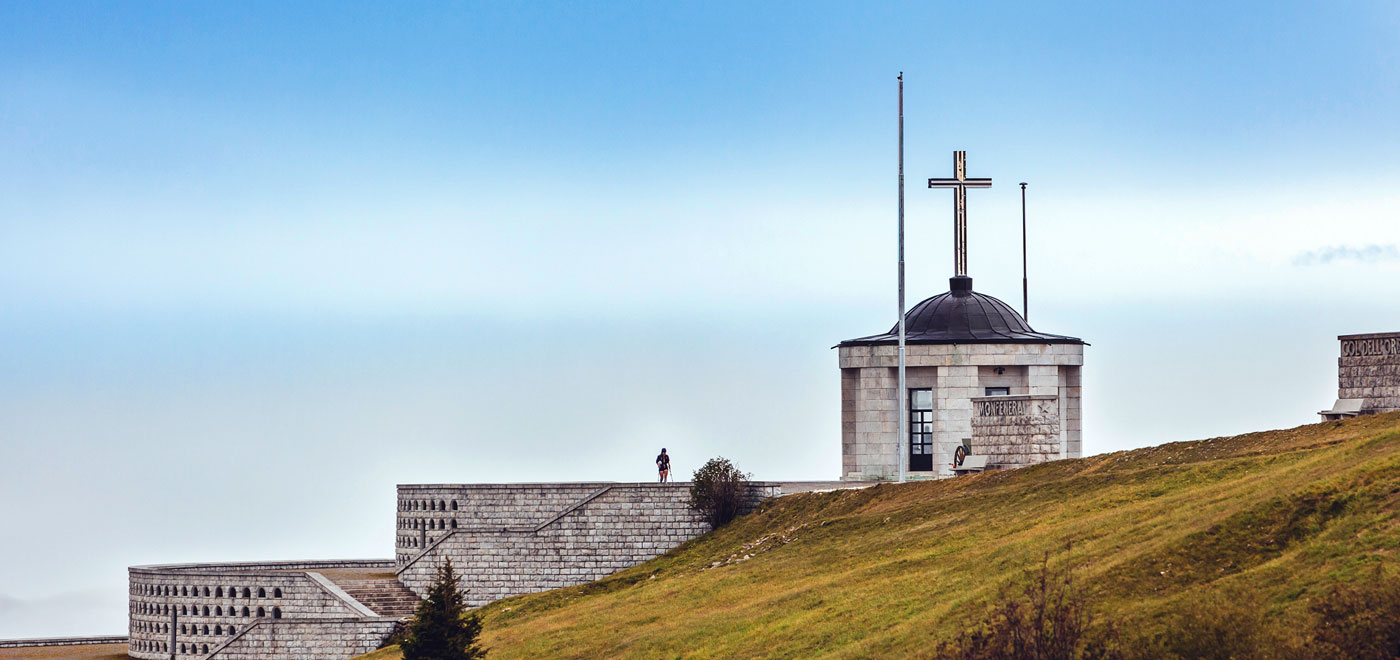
(902, 393)
(1025, 283)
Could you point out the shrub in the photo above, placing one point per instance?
(1049, 619)
(717, 491)
(1214, 625)
(441, 628)
(1360, 622)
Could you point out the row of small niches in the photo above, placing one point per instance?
(411, 541)
(193, 592)
(426, 505)
(142, 646)
(163, 609)
(432, 523)
(149, 628)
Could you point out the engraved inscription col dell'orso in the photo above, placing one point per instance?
(1378, 346)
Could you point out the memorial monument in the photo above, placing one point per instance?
(1368, 376)
(978, 377)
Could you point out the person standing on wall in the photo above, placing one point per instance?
(663, 465)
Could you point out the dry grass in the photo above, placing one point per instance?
(887, 571)
(391, 653)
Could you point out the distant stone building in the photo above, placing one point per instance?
(978, 377)
(505, 539)
(1368, 375)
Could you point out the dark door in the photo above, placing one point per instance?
(920, 430)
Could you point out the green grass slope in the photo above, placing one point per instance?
(887, 571)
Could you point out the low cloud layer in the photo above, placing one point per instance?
(1368, 254)
(68, 614)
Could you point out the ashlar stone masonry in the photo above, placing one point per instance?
(1368, 375)
(509, 539)
(977, 376)
(504, 539)
(1017, 430)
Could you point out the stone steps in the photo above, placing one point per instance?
(387, 597)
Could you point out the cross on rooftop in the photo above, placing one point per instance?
(960, 183)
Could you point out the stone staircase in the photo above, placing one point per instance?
(386, 596)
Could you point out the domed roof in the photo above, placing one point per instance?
(963, 316)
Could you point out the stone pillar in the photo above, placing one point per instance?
(876, 426)
(850, 402)
(1043, 379)
(1070, 419)
(952, 403)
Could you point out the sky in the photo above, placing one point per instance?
(260, 262)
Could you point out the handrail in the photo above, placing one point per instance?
(334, 590)
(592, 496)
(239, 634)
(506, 529)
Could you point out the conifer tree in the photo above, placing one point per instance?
(441, 629)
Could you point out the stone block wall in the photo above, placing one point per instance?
(1369, 369)
(429, 512)
(957, 373)
(592, 531)
(1071, 412)
(952, 414)
(1014, 431)
(869, 420)
(212, 603)
(316, 639)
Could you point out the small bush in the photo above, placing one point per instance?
(1214, 625)
(717, 491)
(1359, 622)
(441, 628)
(1049, 619)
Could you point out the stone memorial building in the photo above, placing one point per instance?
(1368, 376)
(977, 376)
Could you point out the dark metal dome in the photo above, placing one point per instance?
(963, 316)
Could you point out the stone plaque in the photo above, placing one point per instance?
(1369, 370)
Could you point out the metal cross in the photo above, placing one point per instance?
(960, 183)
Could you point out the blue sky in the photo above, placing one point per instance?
(261, 261)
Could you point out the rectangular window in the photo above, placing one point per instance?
(920, 430)
(998, 391)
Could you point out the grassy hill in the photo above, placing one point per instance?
(1265, 521)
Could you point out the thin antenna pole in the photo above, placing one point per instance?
(902, 393)
(1025, 282)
